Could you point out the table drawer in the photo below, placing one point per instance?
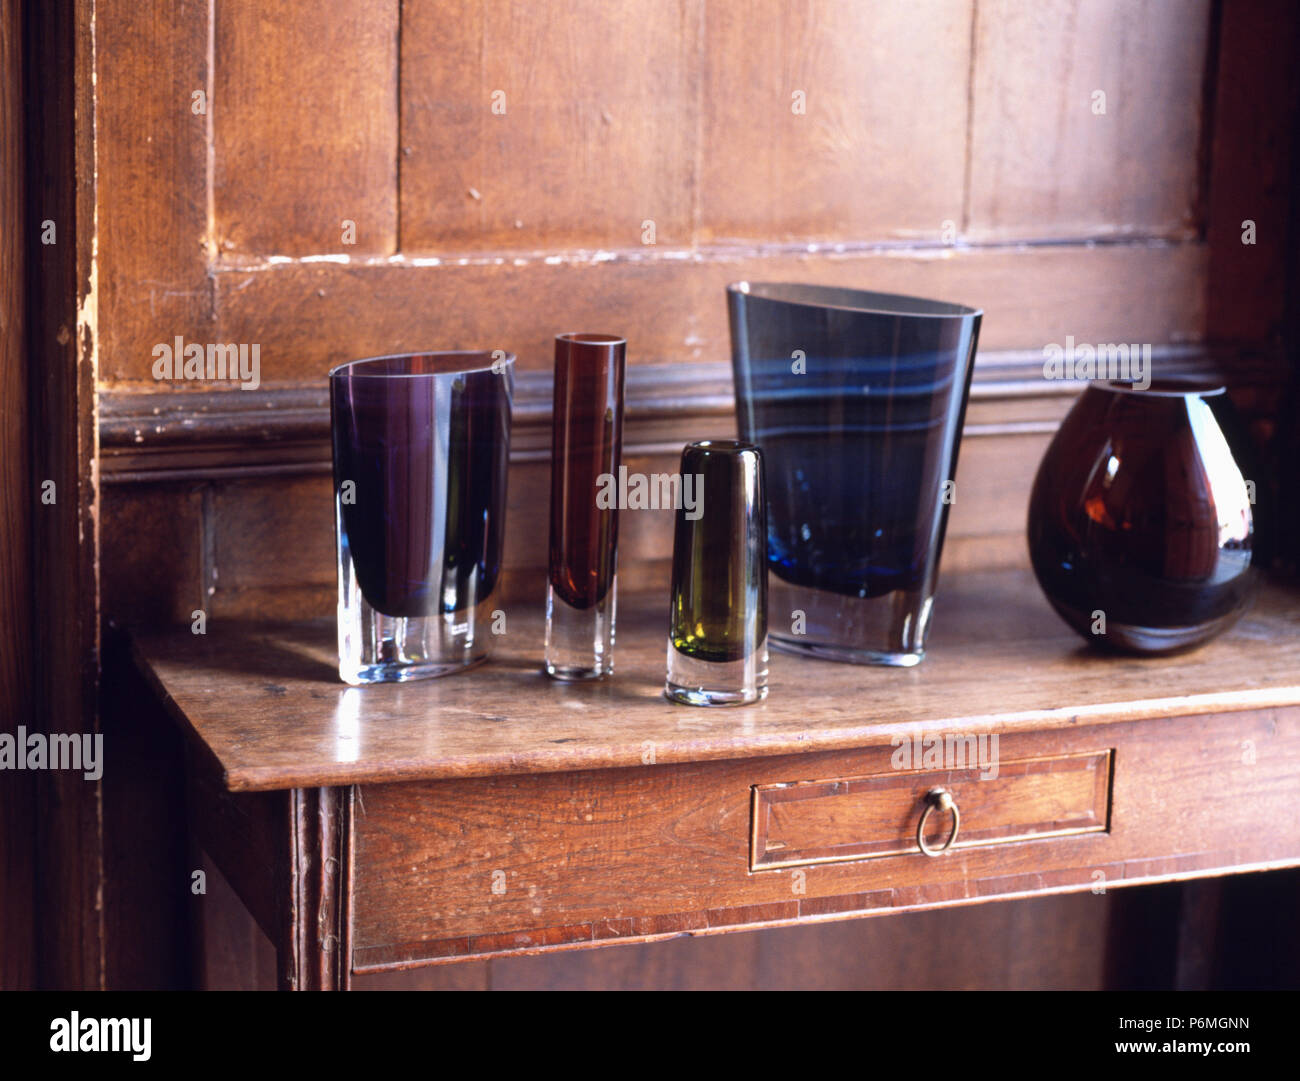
(852, 818)
(475, 867)
(491, 865)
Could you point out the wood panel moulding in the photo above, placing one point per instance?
(306, 317)
(237, 484)
(809, 822)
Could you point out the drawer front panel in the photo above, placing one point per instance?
(484, 866)
(852, 818)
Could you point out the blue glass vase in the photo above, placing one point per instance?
(857, 401)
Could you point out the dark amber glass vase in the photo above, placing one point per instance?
(586, 449)
(1140, 521)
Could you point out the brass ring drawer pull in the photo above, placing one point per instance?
(938, 799)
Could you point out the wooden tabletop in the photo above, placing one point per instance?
(266, 702)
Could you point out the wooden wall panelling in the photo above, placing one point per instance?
(273, 548)
(986, 526)
(304, 128)
(308, 316)
(527, 128)
(258, 479)
(1252, 170)
(17, 831)
(1043, 164)
(311, 316)
(150, 158)
(263, 547)
(63, 317)
(875, 149)
(154, 553)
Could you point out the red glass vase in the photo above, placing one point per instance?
(1140, 520)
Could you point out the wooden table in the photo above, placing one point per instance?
(496, 812)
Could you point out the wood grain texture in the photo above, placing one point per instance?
(153, 555)
(151, 189)
(304, 128)
(270, 535)
(526, 129)
(1042, 162)
(607, 129)
(1031, 297)
(314, 939)
(267, 704)
(811, 112)
(1150, 293)
(504, 864)
(17, 848)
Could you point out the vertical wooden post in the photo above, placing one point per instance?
(62, 345)
(17, 850)
(313, 949)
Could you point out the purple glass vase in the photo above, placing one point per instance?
(421, 447)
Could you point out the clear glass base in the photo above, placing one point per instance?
(1134, 638)
(889, 630)
(580, 641)
(375, 648)
(693, 682)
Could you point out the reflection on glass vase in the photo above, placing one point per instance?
(421, 446)
(586, 446)
(717, 626)
(856, 400)
(1140, 521)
